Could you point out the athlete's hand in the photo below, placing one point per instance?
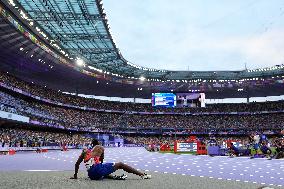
(74, 177)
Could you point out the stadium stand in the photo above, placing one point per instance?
(81, 102)
(255, 116)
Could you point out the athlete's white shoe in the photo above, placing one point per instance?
(121, 177)
(146, 176)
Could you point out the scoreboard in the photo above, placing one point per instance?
(186, 147)
(164, 99)
(179, 100)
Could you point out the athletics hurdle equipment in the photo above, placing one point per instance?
(44, 150)
(201, 148)
(165, 148)
(11, 152)
(64, 148)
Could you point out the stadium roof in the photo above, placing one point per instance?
(79, 29)
(34, 47)
(25, 53)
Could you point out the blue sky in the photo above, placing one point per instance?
(198, 34)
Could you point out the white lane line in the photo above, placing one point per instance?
(40, 170)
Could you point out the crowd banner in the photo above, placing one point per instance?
(14, 117)
(185, 147)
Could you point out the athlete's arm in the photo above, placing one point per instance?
(77, 164)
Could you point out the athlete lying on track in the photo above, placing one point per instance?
(93, 159)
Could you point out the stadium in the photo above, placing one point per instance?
(200, 107)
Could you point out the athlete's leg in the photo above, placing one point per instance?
(109, 177)
(127, 168)
(116, 177)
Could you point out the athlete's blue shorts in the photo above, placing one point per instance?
(98, 171)
(256, 146)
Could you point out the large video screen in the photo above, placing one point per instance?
(164, 99)
(179, 100)
(193, 100)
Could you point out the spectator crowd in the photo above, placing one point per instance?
(44, 113)
(28, 138)
(126, 106)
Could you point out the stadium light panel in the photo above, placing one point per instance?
(79, 62)
(142, 78)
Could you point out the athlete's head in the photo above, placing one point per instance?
(95, 142)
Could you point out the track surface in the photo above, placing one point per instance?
(53, 169)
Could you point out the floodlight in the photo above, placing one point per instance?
(142, 78)
(79, 62)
